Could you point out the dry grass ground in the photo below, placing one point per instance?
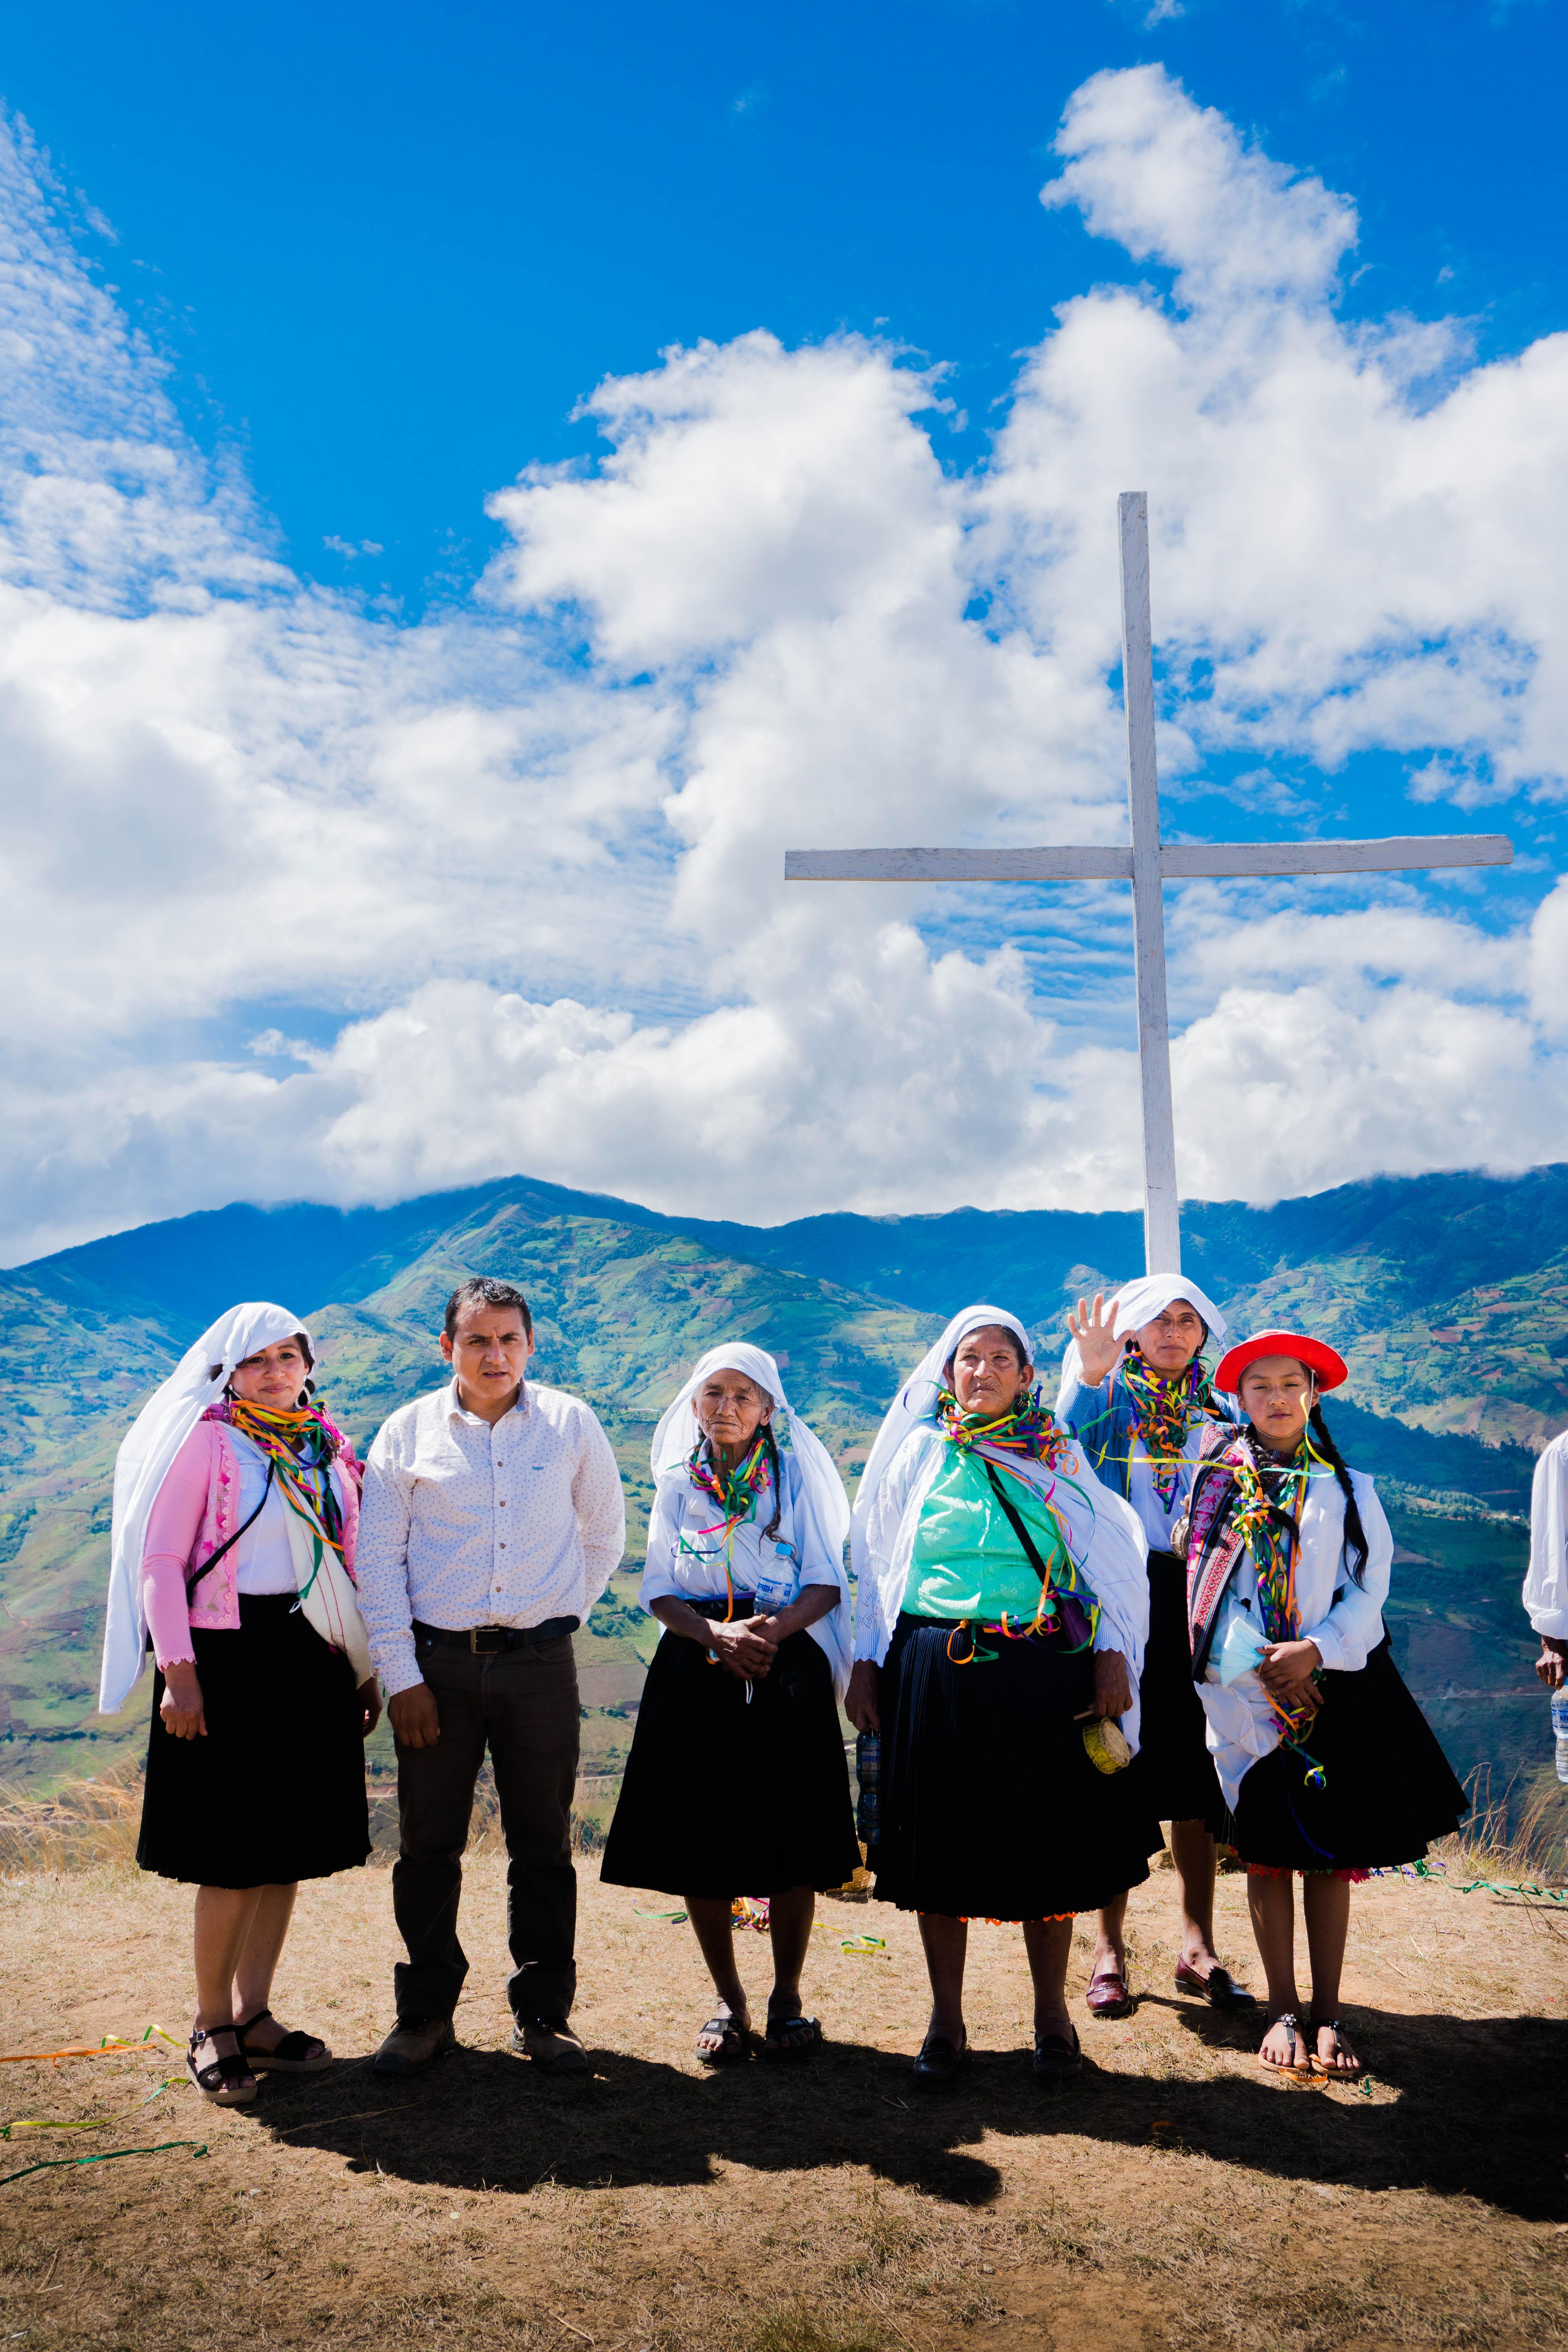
(1176, 2196)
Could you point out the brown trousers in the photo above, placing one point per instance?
(522, 1704)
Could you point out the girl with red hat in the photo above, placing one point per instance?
(1327, 1765)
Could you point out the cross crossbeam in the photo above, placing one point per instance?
(1148, 863)
(1180, 861)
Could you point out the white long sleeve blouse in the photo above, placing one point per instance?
(1102, 1533)
(1343, 1617)
(686, 1559)
(1546, 1585)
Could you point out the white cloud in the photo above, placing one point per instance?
(523, 862)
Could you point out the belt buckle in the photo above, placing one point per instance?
(474, 1649)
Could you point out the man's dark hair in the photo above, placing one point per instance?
(485, 1291)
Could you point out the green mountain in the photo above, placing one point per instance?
(1445, 1293)
(621, 1309)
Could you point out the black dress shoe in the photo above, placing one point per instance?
(1056, 2060)
(939, 2061)
(1219, 1988)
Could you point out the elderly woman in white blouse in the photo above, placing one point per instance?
(737, 1783)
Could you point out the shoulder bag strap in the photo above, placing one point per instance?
(230, 1542)
(1019, 1529)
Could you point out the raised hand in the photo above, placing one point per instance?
(1098, 1346)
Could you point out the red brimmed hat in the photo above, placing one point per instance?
(1331, 1368)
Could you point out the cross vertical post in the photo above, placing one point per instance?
(1161, 1220)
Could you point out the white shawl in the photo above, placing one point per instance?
(1103, 1532)
(143, 1462)
(1546, 1586)
(678, 1434)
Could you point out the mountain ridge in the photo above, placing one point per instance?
(1448, 1294)
(624, 1299)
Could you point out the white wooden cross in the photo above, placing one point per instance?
(1148, 863)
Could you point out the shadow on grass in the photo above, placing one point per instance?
(1476, 2112)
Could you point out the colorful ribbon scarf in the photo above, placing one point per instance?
(1244, 1504)
(1029, 1429)
(736, 1493)
(1166, 1407)
(302, 1446)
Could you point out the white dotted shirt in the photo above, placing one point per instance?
(464, 1524)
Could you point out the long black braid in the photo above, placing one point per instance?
(1355, 1543)
(773, 1526)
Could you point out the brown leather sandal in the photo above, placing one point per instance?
(296, 2053)
(225, 2079)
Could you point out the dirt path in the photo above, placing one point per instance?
(1176, 2196)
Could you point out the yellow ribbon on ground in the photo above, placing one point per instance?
(99, 2123)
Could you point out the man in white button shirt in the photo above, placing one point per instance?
(491, 1522)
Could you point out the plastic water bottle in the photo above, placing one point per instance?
(869, 1773)
(1560, 1727)
(778, 1583)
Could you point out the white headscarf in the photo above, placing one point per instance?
(143, 1462)
(916, 1401)
(679, 1432)
(1137, 1303)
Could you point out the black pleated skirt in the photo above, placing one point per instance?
(990, 1806)
(1388, 1789)
(723, 1798)
(1179, 1778)
(276, 1791)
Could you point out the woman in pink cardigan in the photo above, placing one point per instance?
(235, 1507)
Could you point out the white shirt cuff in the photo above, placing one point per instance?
(399, 1668)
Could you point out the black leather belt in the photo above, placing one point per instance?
(490, 1640)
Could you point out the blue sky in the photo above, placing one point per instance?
(398, 754)
(390, 248)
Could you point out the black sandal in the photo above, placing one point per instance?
(731, 2041)
(296, 2053)
(225, 2079)
(791, 2037)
